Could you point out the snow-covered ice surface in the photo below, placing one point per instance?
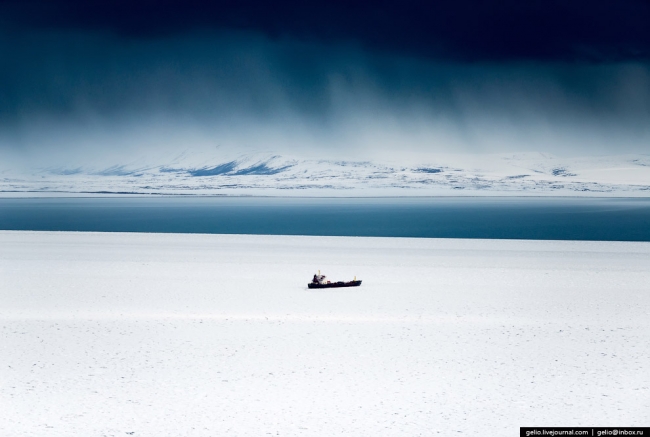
(269, 174)
(209, 335)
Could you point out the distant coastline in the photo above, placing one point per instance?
(262, 174)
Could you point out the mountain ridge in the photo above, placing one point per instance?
(265, 173)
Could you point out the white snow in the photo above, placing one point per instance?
(108, 334)
(268, 174)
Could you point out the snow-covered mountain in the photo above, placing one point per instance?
(275, 175)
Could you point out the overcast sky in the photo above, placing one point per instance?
(324, 78)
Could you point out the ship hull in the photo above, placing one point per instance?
(335, 284)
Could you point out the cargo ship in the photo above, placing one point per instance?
(320, 281)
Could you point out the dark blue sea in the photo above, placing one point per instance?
(514, 218)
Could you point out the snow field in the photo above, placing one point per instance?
(210, 335)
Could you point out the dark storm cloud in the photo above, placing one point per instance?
(469, 30)
(219, 74)
(462, 76)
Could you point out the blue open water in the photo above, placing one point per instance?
(519, 218)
